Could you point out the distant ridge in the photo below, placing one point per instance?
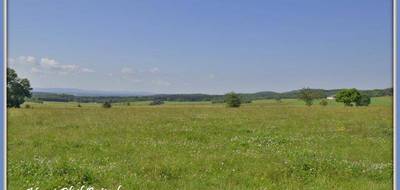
(67, 95)
(81, 92)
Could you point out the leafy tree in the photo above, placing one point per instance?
(106, 105)
(307, 95)
(17, 89)
(365, 100)
(348, 96)
(323, 102)
(232, 100)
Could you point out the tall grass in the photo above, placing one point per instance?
(262, 145)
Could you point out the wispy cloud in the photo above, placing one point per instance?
(154, 70)
(22, 60)
(130, 71)
(86, 70)
(53, 65)
(127, 70)
(47, 65)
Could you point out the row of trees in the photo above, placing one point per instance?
(246, 97)
(18, 89)
(349, 97)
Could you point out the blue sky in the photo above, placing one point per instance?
(207, 46)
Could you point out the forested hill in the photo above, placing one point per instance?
(44, 96)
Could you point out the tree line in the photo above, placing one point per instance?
(245, 97)
(19, 90)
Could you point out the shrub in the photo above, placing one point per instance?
(28, 106)
(128, 104)
(156, 102)
(106, 105)
(323, 102)
(247, 101)
(232, 100)
(278, 98)
(364, 100)
(348, 96)
(79, 105)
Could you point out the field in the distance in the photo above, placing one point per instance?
(262, 145)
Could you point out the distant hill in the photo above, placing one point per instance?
(81, 92)
(102, 96)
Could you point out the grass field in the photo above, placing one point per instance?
(262, 145)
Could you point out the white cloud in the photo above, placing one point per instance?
(53, 66)
(127, 70)
(154, 70)
(29, 59)
(22, 60)
(86, 70)
(49, 63)
(46, 65)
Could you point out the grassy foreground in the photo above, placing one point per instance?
(262, 145)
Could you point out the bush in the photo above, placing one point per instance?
(106, 105)
(247, 101)
(323, 102)
(128, 104)
(278, 98)
(156, 102)
(348, 96)
(28, 106)
(79, 105)
(232, 100)
(365, 100)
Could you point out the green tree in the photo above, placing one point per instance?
(348, 96)
(232, 100)
(17, 89)
(307, 95)
(365, 100)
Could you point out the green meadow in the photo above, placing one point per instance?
(184, 145)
